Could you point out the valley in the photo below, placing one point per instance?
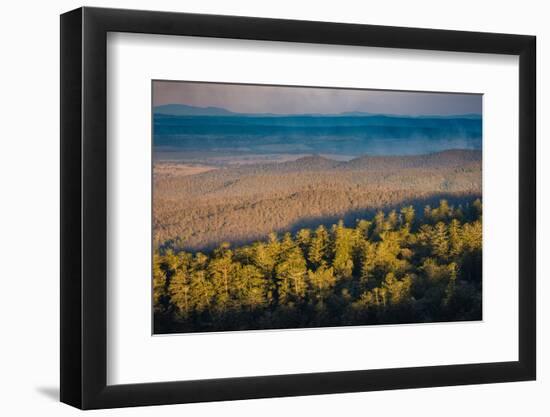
(198, 205)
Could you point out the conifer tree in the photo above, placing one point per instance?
(159, 283)
(202, 289)
(393, 220)
(398, 290)
(220, 270)
(322, 281)
(456, 242)
(250, 287)
(303, 239)
(343, 250)
(440, 240)
(319, 246)
(380, 224)
(362, 227)
(291, 276)
(368, 263)
(407, 214)
(180, 285)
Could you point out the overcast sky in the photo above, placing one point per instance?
(292, 100)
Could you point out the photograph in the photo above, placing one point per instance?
(289, 207)
(267, 206)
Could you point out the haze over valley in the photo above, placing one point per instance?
(204, 137)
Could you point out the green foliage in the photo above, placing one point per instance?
(408, 214)
(393, 268)
(343, 249)
(317, 251)
(291, 275)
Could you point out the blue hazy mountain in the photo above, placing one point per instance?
(214, 129)
(185, 110)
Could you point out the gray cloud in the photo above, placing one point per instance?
(291, 100)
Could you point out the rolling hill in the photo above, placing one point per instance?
(242, 203)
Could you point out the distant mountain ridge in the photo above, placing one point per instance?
(187, 110)
(444, 159)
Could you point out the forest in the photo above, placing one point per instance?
(396, 266)
(197, 206)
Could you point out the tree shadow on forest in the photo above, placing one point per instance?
(349, 217)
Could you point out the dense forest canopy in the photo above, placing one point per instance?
(197, 206)
(397, 266)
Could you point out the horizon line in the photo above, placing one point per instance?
(351, 112)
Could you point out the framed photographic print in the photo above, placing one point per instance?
(257, 208)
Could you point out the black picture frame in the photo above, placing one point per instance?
(84, 207)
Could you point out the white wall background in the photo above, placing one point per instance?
(29, 225)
